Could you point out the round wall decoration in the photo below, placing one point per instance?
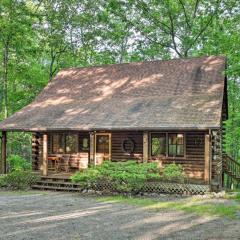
(198, 141)
(128, 145)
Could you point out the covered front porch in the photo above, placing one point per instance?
(64, 152)
(68, 152)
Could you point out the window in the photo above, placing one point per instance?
(175, 145)
(167, 144)
(58, 143)
(158, 143)
(71, 143)
(85, 144)
(64, 143)
(102, 144)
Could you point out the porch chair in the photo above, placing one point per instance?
(65, 162)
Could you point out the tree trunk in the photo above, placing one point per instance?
(51, 70)
(5, 78)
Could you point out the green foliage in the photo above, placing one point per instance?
(86, 176)
(17, 163)
(126, 176)
(238, 196)
(174, 172)
(129, 176)
(233, 195)
(18, 180)
(19, 143)
(2, 181)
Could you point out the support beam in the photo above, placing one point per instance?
(92, 148)
(207, 167)
(3, 169)
(45, 154)
(110, 147)
(145, 146)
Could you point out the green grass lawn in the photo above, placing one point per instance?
(235, 196)
(230, 208)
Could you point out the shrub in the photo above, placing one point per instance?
(17, 163)
(125, 176)
(174, 172)
(128, 177)
(18, 180)
(1, 181)
(86, 176)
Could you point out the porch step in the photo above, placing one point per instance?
(57, 184)
(55, 179)
(54, 183)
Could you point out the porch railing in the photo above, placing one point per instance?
(231, 167)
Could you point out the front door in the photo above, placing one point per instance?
(102, 147)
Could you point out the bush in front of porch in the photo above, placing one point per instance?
(18, 180)
(129, 176)
(20, 176)
(174, 172)
(16, 162)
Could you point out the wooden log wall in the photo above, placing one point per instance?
(37, 147)
(118, 153)
(193, 162)
(195, 154)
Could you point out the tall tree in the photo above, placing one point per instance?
(175, 26)
(13, 25)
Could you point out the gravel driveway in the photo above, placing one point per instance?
(69, 216)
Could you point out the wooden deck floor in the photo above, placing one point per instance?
(52, 174)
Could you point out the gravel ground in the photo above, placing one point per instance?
(59, 216)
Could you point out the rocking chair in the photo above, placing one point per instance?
(65, 159)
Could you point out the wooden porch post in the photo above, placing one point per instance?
(145, 146)
(45, 155)
(207, 167)
(92, 148)
(3, 169)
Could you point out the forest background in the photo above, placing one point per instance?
(39, 37)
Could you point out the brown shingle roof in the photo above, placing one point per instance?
(174, 94)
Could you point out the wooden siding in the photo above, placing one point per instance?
(195, 155)
(118, 154)
(37, 147)
(193, 161)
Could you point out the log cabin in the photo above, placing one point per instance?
(168, 111)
